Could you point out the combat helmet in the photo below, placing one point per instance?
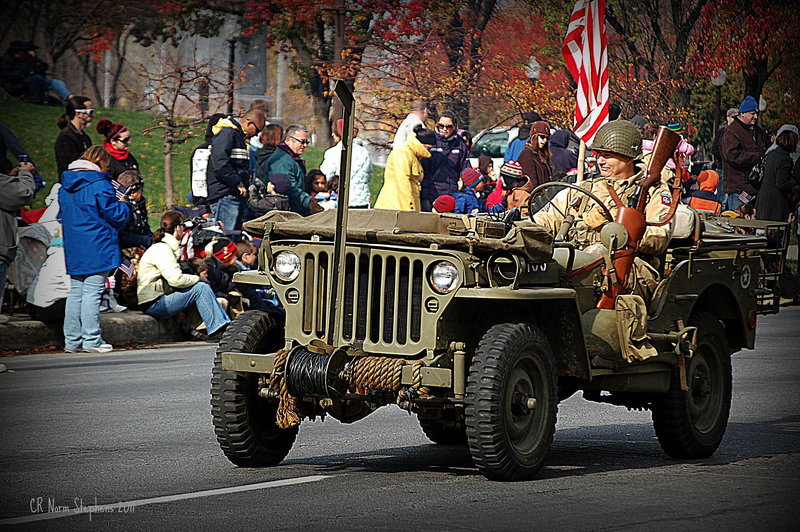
(619, 136)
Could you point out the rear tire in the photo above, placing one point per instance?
(243, 421)
(690, 424)
(509, 440)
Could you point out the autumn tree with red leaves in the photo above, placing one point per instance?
(754, 36)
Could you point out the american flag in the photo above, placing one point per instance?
(119, 190)
(585, 53)
(127, 268)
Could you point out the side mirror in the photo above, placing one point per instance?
(614, 233)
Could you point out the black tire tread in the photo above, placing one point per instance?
(671, 420)
(485, 429)
(239, 431)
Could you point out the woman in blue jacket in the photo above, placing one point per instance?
(90, 217)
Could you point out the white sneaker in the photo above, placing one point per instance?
(4, 318)
(3, 368)
(102, 348)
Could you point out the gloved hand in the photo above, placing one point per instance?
(595, 219)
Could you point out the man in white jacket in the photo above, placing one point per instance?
(417, 117)
(360, 167)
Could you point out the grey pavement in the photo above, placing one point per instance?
(134, 428)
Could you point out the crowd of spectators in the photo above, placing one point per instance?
(102, 248)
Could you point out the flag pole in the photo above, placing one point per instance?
(581, 160)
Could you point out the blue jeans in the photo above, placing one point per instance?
(732, 202)
(230, 211)
(37, 85)
(82, 314)
(200, 295)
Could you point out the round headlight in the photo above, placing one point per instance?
(444, 277)
(287, 266)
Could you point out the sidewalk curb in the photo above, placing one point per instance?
(118, 329)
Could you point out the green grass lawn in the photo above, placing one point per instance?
(35, 126)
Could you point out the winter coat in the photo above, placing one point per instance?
(17, 191)
(90, 218)
(715, 152)
(515, 147)
(161, 260)
(443, 169)
(116, 166)
(468, 202)
(229, 164)
(741, 147)
(360, 171)
(773, 201)
(402, 177)
(70, 145)
(262, 156)
(704, 198)
(282, 165)
(535, 166)
(562, 158)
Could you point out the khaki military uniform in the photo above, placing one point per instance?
(586, 230)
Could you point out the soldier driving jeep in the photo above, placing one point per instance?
(618, 145)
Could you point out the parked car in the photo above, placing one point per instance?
(493, 143)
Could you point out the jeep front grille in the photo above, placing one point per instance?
(382, 297)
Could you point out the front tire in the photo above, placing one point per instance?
(690, 424)
(243, 421)
(508, 437)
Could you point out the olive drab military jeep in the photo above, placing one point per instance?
(481, 325)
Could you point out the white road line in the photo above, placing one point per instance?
(127, 506)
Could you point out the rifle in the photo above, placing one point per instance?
(632, 217)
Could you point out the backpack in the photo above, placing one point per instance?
(756, 175)
(199, 165)
(260, 202)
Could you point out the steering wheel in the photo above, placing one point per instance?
(538, 192)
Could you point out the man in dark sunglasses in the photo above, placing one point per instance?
(448, 159)
(285, 165)
(228, 172)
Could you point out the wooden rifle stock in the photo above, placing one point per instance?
(663, 148)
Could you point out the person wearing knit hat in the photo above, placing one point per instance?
(360, 166)
(446, 203)
(403, 173)
(516, 186)
(741, 147)
(224, 250)
(471, 177)
(535, 158)
(705, 197)
(117, 142)
(471, 200)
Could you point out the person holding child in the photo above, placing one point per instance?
(360, 169)
(163, 290)
(91, 215)
(136, 233)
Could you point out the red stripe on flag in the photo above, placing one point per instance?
(585, 54)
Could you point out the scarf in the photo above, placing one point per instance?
(119, 155)
(285, 147)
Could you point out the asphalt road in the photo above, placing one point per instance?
(132, 430)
